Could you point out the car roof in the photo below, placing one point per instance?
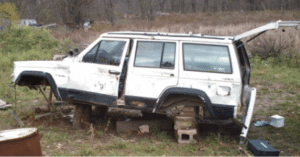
(168, 36)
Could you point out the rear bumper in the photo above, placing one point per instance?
(248, 116)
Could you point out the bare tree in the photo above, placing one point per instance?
(205, 6)
(150, 12)
(182, 6)
(74, 11)
(128, 6)
(193, 3)
(141, 2)
(172, 5)
(161, 5)
(109, 11)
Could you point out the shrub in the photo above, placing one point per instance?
(19, 39)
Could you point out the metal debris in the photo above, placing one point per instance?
(261, 123)
(17, 118)
(3, 104)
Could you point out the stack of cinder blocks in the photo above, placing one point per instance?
(186, 125)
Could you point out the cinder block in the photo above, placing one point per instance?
(185, 123)
(189, 133)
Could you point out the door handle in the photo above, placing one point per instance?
(114, 72)
(168, 74)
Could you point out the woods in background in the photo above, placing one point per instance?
(75, 12)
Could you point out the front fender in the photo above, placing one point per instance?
(45, 75)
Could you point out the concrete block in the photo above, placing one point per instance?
(188, 133)
(134, 125)
(144, 128)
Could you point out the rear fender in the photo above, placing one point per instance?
(191, 92)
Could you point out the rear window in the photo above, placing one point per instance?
(206, 58)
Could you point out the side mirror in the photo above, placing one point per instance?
(74, 52)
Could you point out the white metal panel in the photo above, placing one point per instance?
(248, 116)
(57, 69)
(209, 82)
(150, 82)
(93, 77)
(270, 26)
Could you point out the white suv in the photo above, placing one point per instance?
(155, 72)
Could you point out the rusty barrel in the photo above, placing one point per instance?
(20, 142)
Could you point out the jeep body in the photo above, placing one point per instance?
(154, 72)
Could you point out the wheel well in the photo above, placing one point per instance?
(30, 81)
(176, 98)
(35, 78)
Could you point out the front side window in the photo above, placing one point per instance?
(110, 52)
(90, 56)
(207, 58)
(155, 55)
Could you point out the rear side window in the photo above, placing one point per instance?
(207, 58)
(155, 55)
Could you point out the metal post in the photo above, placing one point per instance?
(50, 99)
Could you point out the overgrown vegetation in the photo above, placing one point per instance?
(18, 43)
(9, 11)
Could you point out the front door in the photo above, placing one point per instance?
(96, 77)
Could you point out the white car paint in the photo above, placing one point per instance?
(150, 82)
(92, 77)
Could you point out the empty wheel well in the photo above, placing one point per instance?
(35, 78)
(27, 80)
(181, 99)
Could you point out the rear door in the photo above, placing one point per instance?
(96, 77)
(153, 68)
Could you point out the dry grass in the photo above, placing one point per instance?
(221, 23)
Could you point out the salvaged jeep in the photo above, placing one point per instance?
(188, 76)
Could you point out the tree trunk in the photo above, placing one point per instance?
(161, 5)
(205, 6)
(109, 12)
(150, 14)
(128, 6)
(182, 6)
(194, 6)
(141, 2)
(172, 5)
